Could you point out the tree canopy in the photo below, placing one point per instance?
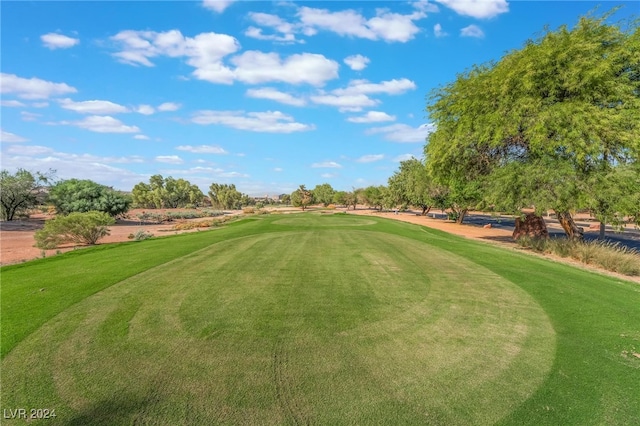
(301, 197)
(166, 193)
(225, 196)
(412, 185)
(323, 194)
(75, 195)
(21, 191)
(539, 126)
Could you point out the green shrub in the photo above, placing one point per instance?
(81, 228)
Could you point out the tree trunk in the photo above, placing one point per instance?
(425, 210)
(573, 231)
(461, 216)
(602, 229)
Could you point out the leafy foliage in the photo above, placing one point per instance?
(301, 197)
(21, 191)
(323, 194)
(543, 125)
(77, 227)
(76, 195)
(225, 196)
(166, 193)
(412, 185)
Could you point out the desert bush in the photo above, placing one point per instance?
(183, 226)
(248, 210)
(211, 213)
(81, 228)
(560, 246)
(142, 235)
(537, 244)
(607, 255)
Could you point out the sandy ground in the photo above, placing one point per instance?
(17, 242)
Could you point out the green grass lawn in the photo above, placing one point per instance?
(323, 319)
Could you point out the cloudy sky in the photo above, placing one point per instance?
(266, 95)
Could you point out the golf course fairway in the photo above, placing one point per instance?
(317, 319)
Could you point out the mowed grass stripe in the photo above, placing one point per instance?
(333, 327)
(36, 291)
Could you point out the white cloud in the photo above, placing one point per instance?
(145, 109)
(256, 33)
(217, 6)
(58, 41)
(354, 97)
(103, 124)
(345, 102)
(389, 87)
(202, 149)
(30, 150)
(403, 132)
(12, 104)
(328, 175)
(29, 116)
(438, 31)
(326, 165)
(40, 104)
(92, 107)
(170, 159)
(403, 157)
(275, 23)
(372, 117)
(277, 169)
(480, 9)
(69, 166)
(357, 62)
(206, 52)
(141, 137)
(275, 95)
(257, 67)
(472, 31)
(169, 106)
(425, 6)
(268, 122)
(203, 52)
(233, 175)
(387, 26)
(7, 137)
(370, 158)
(32, 88)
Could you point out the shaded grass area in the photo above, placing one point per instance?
(336, 324)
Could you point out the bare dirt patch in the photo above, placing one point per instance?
(17, 237)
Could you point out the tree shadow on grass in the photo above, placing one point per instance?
(118, 410)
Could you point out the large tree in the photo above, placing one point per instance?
(166, 193)
(535, 127)
(323, 194)
(21, 191)
(75, 195)
(412, 185)
(225, 196)
(302, 197)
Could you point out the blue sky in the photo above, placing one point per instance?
(266, 95)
